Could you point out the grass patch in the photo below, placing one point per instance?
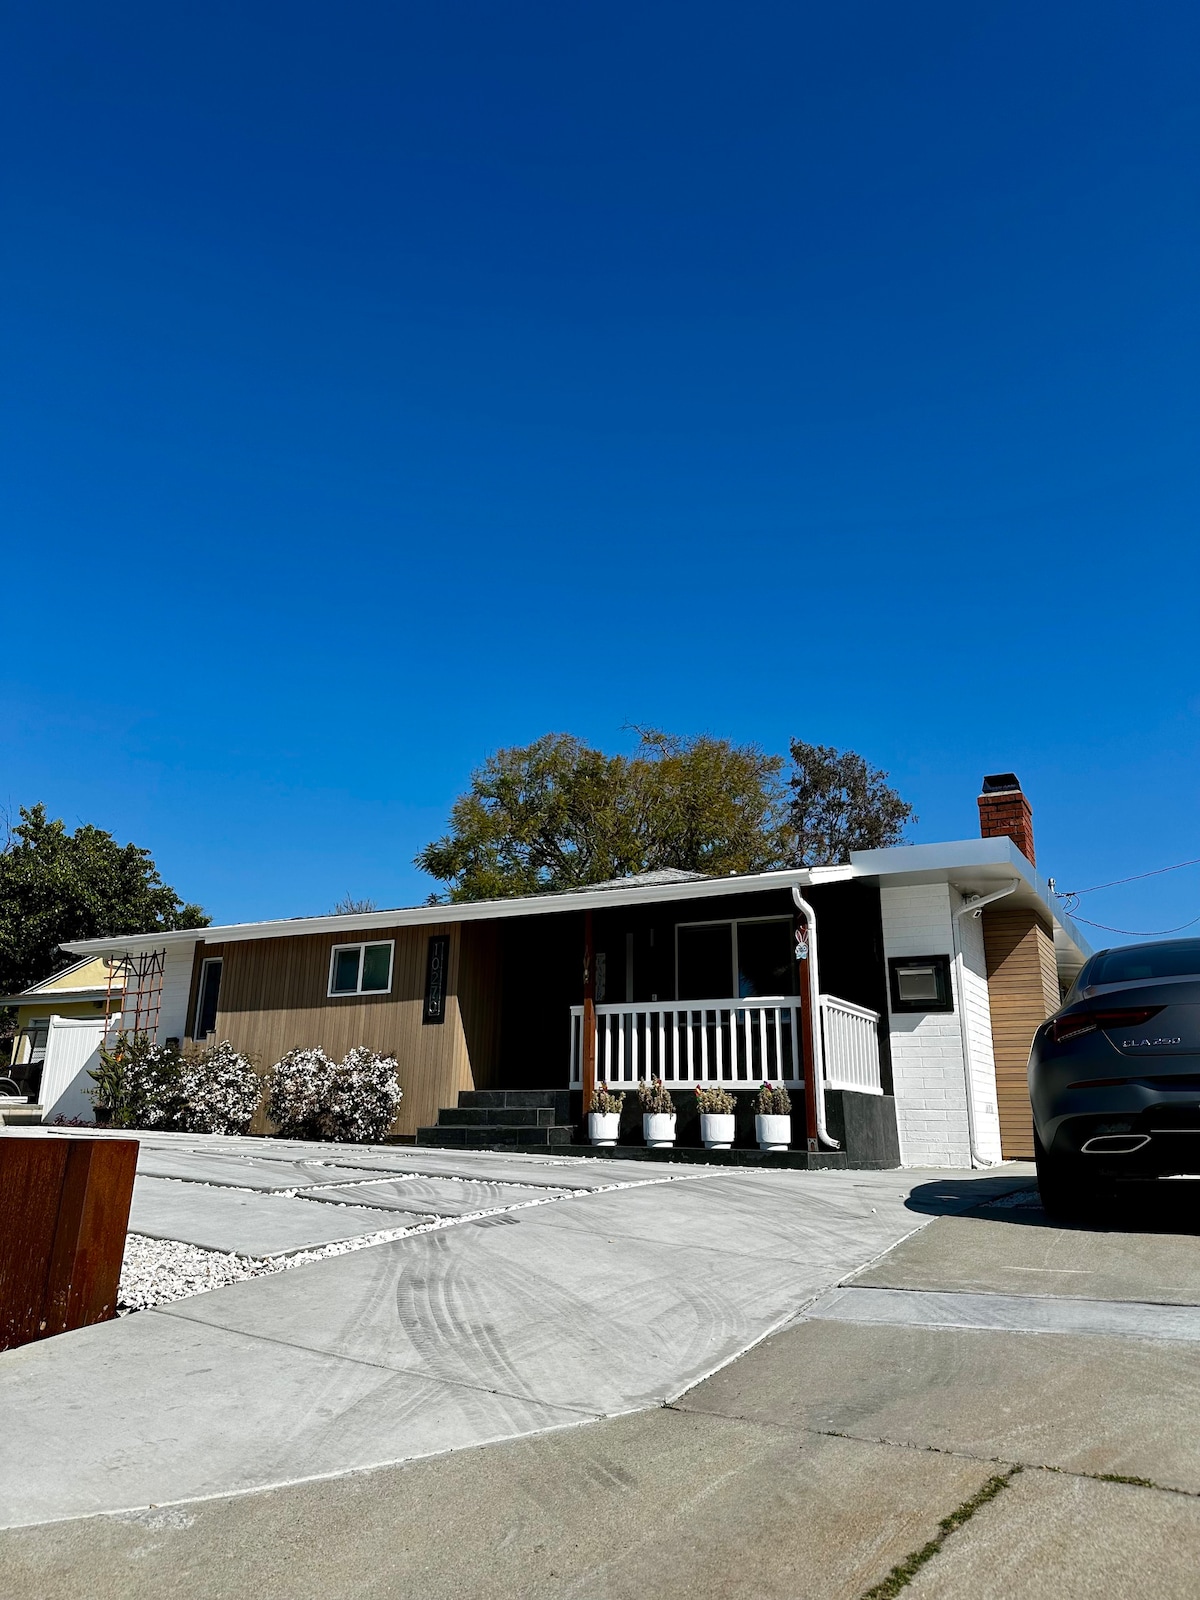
(905, 1571)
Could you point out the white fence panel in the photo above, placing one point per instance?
(72, 1050)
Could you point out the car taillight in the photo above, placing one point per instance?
(1080, 1022)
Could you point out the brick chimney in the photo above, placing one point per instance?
(1005, 813)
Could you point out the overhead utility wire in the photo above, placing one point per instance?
(1152, 933)
(1071, 896)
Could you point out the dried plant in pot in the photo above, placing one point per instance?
(604, 1115)
(658, 1114)
(716, 1107)
(773, 1117)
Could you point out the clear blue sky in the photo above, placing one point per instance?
(386, 383)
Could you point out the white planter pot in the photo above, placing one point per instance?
(658, 1129)
(716, 1129)
(603, 1126)
(773, 1133)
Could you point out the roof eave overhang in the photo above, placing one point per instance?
(472, 910)
(978, 867)
(972, 866)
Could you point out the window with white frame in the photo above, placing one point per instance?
(361, 968)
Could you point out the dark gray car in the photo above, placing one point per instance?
(1114, 1076)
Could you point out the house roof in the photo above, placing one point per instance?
(975, 866)
(53, 987)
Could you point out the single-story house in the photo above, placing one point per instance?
(908, 982)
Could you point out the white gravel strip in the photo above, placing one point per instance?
(156, 1272)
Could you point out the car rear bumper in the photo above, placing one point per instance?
(1146, 1137)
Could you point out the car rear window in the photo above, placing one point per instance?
(1179, 959)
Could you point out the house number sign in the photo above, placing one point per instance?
(435, 978)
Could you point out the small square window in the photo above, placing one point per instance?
(360, 969)
(920, 983)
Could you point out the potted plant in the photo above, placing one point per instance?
(715, 1106)
(773, 1118)
(604, 1115)
(658, 1114)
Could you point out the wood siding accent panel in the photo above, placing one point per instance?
(1023, 991)
(273, 999)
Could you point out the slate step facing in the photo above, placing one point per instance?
(517, 1100)
(496, 1116)
(495, 1138)
(503, 1119)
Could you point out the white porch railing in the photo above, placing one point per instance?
(734, 1042)
(850, 1035)
(738, 1043)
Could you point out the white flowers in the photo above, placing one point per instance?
(220, 1091)
(314, 1097)
(148, 1085)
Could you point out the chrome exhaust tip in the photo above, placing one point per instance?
(1115, 1144)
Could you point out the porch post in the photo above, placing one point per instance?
(807, 1023)
(589, 1013)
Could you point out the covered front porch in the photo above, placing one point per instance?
(696, 993)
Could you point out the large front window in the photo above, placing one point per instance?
(715, 960)
(360, 969)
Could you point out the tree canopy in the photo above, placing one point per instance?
(837, 803)
(558, 814)
(57, 886)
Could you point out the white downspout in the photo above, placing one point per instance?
(975, 905)
(814, 1013)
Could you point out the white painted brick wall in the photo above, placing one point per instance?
(927, 1058)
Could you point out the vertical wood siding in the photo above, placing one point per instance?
(274, 998)
(1023, 990)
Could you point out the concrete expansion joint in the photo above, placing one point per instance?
(902, 1574)
(1015, 1466)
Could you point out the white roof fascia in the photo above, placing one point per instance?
(470, 910)
(977, 866)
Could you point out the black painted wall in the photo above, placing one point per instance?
(542, 966)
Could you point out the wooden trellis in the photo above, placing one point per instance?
(134, 992)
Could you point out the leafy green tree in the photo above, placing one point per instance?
(838, 803)
(57, 886)
(557, 814)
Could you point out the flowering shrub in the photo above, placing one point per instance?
(139, 1081)
(772, 1102)
(655, 1098)
(150, 1085)
(351, 1101)
(714, 1102)
(219, 1090)
(604, 1101)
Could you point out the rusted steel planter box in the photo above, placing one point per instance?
(64, 1212)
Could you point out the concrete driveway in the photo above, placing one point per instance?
(534, 1294)
(956, 1398)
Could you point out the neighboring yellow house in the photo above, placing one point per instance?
(79, 991)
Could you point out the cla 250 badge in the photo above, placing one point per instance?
(1141, 1044)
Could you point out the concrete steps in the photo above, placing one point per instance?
(503, 1119)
